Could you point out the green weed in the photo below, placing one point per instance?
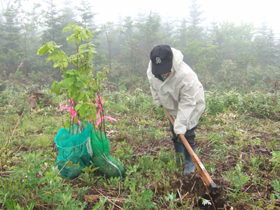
(275, 159)
(231, 131)
(34, 183)
(237, 177)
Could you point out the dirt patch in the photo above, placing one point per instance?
(195, 187)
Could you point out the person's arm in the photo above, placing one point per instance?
(155, 96)
(153, 90)
(186, 104)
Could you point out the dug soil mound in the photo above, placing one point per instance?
(196, 189)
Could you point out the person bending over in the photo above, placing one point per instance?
(175, 86)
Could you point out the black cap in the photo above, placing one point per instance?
(161, 57)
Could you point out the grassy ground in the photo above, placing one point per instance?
(238, 143)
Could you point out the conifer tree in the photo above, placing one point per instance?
(11, 53)
(182, 33)
(194, 35)
(87, 15)
(149, 35)
(51, 23)
(264, 46)
(30, 39)
(128, 40)
(195, 30)
(66, 16)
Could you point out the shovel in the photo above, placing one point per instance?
(212, 187)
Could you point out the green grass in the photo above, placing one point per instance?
(238, 143)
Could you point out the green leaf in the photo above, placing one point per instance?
(66, 29)
(64, 64)
(50, 45)
(56, 65)
(66, 124)
(43, 50)
(205, 202)
(70, 38)
(77, 40)
(66, 83)
(73, 93)
(70, 72)
(89, 33)
(90, 169)
(55, 88)
(93, 114)
(148, 194)
(78, 106)
(82, 111)
(87, 98)
(82, 47)
(90, 55)
(94, 169)
(81, 97)
(97, 206)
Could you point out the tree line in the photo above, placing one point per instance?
(224, 54)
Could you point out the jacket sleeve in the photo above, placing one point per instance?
(155, 96)
(186, 104)
(153, 90)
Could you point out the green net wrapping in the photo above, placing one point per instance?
(74, 150)
(101, 158)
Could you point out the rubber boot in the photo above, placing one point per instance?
(189, 164)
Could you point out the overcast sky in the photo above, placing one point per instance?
(255, 11)
(248, 11)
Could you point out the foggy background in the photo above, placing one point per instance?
(237, 11)
(249, 11)
(229, 44)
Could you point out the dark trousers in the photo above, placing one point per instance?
(178, 144)
(189, 135)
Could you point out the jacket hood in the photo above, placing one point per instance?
(177, 58)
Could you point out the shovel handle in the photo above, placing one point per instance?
(198, 164)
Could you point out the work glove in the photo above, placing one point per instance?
(177, 140)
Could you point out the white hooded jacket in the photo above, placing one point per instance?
(181, 94)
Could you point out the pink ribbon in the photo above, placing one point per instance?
(99, 120)
(98, 98)
(99, 105)
(72, 112)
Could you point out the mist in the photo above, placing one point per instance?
(218, 47)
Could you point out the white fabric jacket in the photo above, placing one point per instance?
(181, 94)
